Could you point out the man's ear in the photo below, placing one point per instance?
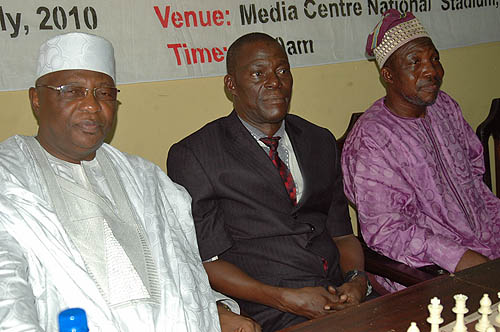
(387, 75)
(35, 101)
(230, 84)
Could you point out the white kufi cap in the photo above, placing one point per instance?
(76, 50)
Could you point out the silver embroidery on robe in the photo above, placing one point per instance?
(113, 244)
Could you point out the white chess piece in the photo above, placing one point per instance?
(497, 318)
(435, 309)
(485, 311)
(460, 310)
(413, 327)
(491, 329)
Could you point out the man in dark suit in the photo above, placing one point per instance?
(272, 223)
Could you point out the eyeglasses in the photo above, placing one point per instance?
(72, 92)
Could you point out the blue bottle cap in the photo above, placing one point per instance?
(73, 320)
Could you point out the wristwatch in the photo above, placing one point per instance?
(350, 275)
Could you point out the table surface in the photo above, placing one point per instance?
(394, 312)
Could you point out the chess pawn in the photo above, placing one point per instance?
(413, 327)
(435, 309)
(460, 310)
(485, 311)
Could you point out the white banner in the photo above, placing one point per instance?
(163, 40)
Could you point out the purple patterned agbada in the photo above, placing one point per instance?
(417, 185)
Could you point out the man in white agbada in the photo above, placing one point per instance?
(85, 225)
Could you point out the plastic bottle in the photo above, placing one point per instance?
(73, 320)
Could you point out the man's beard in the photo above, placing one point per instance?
(415, 100)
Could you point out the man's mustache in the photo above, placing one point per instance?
(430, 82)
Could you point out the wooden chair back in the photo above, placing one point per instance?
(352, 121)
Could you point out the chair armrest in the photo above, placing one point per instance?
(401, 273)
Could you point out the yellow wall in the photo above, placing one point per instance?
(153, 116)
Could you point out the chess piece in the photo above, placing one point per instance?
(485, 311)
(413, 327)
(491, 329)
(435, 309)
(497, 318)
(460, 310)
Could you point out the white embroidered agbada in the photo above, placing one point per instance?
(47, 265)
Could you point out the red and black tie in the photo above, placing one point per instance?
(286, 176)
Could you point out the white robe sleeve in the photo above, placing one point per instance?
(181, 204)
(17, 304)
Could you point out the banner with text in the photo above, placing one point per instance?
(175, 39)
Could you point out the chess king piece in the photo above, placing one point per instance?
(413, 327)
(435, 309)
(460, 310)
(485, 311)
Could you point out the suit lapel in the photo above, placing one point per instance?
(247, 151)
(302, 154)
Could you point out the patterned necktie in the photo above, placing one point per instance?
(286, 176)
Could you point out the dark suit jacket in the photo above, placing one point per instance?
(243, 214)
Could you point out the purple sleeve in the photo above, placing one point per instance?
(476, 156)
(474, 146)
(390, 218)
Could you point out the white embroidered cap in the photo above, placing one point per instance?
(392, 32)
(76, 50)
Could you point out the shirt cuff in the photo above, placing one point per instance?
(213, 259)
(219, 297)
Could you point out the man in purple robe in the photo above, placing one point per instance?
(412, 164)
